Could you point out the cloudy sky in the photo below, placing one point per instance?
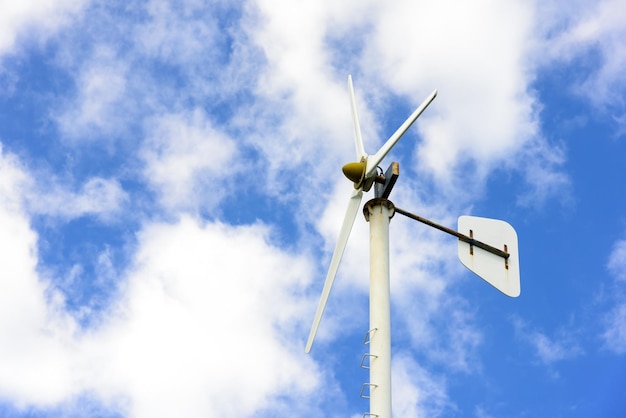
(171, 192)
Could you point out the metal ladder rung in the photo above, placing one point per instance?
(363, 365)
(370, 385)
(368, 336)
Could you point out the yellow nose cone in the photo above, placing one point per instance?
(354, 172)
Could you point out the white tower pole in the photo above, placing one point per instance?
(378, 213)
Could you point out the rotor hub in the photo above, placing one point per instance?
(355, 172)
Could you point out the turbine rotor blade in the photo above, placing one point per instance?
(374, 160)
(346, 227)
(358, 139)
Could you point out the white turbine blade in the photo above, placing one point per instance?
(358, 139)
(374, 160)
(346, 227)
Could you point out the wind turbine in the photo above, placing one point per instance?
(498, 266)
(362, 173)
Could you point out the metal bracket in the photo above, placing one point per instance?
(383, 187)
(471, 241)
(506, 259)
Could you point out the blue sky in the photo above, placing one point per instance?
(171, 192)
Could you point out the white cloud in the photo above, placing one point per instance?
(124, 71)
(549, 350)
(33, 18)
(208, 321)
(442, 330)
(614, 334)
(209, 325)
(98, 197)
(485, 110)
(175, 32)
(416, 393)
(595, 26)
(12, 180)
(480, 412)
(35, 331)
(544, 175)
(615, 329)
(617, 260)
(100, 107)
(43, 194)
(187, 161)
